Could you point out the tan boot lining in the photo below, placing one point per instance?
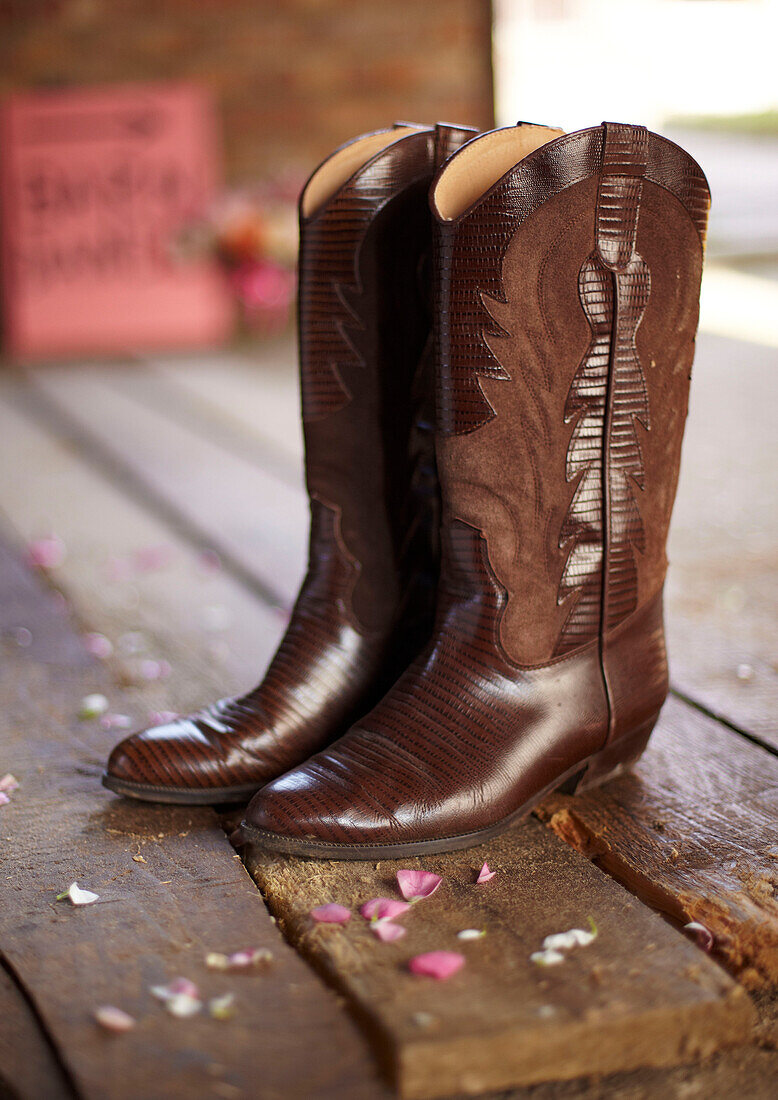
(342, 165)
(479, 165)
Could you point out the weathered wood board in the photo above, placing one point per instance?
(215, 635)
(28, 1065)
(692, 831)
(722, 588)
(249, 400)
(722, 595)
(251, 516)
(639, 995)
(171, 889)
(59, 487)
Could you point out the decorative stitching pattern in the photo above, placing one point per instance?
(582, 530)
(603, 526)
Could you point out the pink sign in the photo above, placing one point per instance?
(96, 183)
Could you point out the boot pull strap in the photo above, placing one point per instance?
(624, 156)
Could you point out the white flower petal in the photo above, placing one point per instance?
(92, 706)
(77, 896)
(183, 1005)
(547, 958)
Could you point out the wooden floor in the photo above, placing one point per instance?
(149, 471)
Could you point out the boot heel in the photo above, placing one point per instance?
(614, 759)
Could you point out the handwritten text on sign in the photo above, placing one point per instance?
(96, 184)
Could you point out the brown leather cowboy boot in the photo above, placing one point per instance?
(366, 604)
(568, 284)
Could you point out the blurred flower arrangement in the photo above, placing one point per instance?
(253, 235)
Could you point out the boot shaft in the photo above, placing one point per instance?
(568, 279)
(367, 375)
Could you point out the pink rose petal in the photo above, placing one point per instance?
(9, 783)
(331, 914)
(46, 553)
(149, 669)
(415, 885)
(114, 1019)
(98, 645)
(115, 722)
(250, 957)
(485, 874)
(4, 799)
(386, 931)
(383, 908)
(150, 558)
(162, 717)
(437, 964)
(182, 987)
(180, 997)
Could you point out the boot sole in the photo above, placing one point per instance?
(180, 796)
(592, 772)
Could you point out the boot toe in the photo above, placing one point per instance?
(175, 754)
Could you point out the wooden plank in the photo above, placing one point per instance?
(99, 596)
(28, 1066)
(227, 500)
(257, 396)
(175, 607)
(640, 995)
(693, 832)
(722, 590)
(171, 889)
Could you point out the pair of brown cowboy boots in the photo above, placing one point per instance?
(496, 337)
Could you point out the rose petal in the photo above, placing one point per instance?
(114, 1019)
(485, 874)
(702, 936)
(331, 914)
(153, 670)
(437, 964)
(98, 645)
(386, 931)
(9, 783)
(92, 706)
(46, 553)
(4, 799)
(149, 558)
(115, 722)
(162, 717)
(250, 956)
(222, 1008)
(183, 1006)
(77, 896)
(471, 934)
(383, 908)
(564, 941)
(182, 986)
(547, 958)
(239, 960)
(415, 885)
(181, 997)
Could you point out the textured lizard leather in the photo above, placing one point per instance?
(366, 603)
(567, 301)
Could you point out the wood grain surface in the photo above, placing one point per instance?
(692, 831)
(640, 995)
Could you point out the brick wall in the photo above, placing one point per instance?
(293, 78)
